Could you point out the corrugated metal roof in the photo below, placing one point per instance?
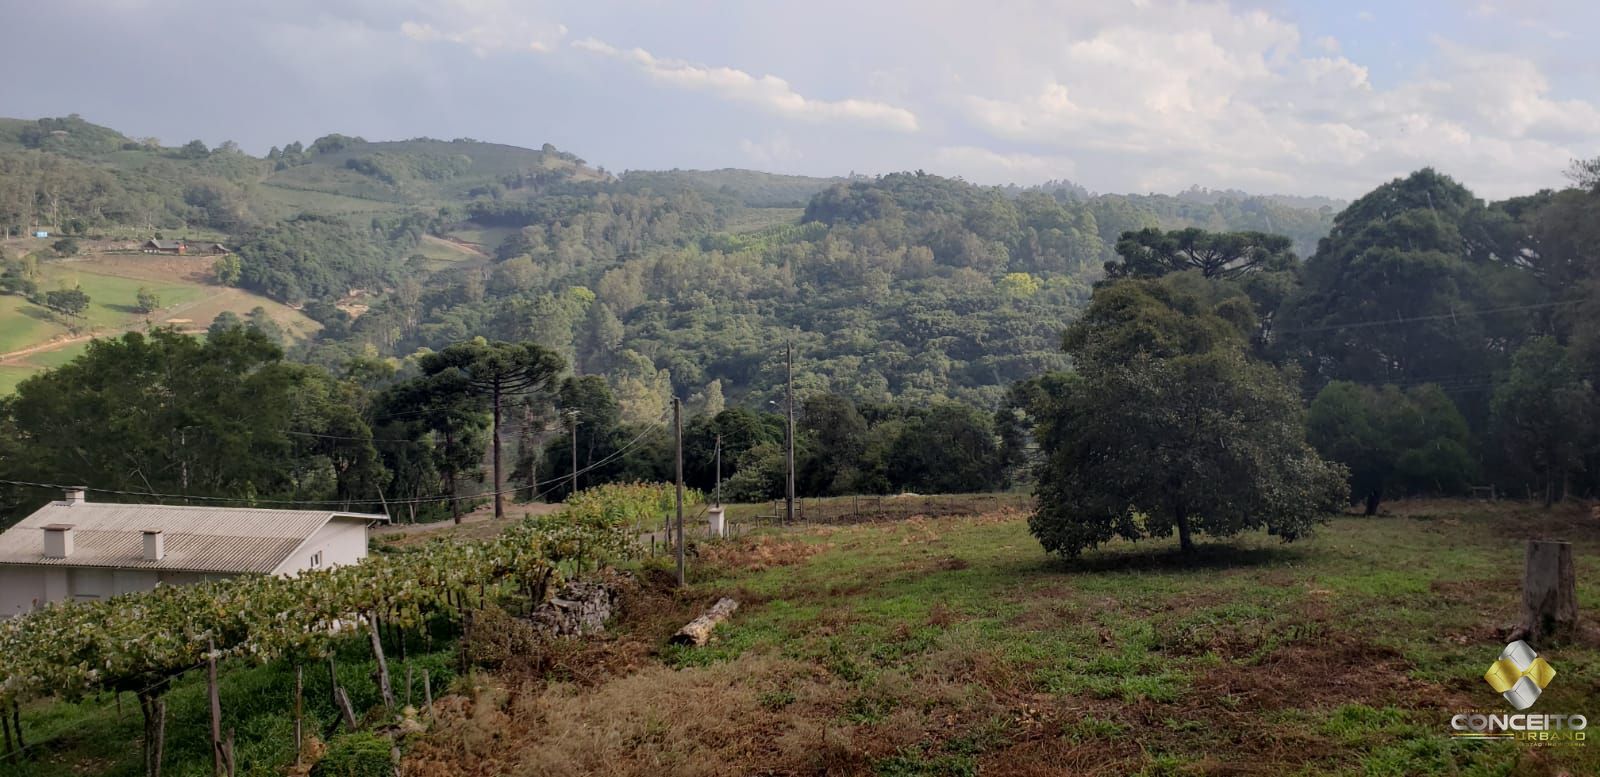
(197, 539)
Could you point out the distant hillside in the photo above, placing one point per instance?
(422, 170)
(751, 188)
(71, 136)
(908, 285)
(70, 175)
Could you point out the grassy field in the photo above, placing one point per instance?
(112, 281)
(10, 376)
(945, 642)
(757, 219)
(443, 253)
(488, 239)
(23, 324)
(954, 645)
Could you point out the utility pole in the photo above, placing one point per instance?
(499, 498)
(677, 439)
(788, 455)
(572, 415)
(719, 470)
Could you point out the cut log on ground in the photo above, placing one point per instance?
(1549, 594)
(699, 629)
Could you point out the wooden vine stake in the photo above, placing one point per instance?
(11, 751)
(347, 711)
(217, 756)
(384, 687)
(299, 712)
(427, 692)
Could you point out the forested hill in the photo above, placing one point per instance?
(908, 286)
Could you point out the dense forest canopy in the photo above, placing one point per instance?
(925, 312)
(909, 286)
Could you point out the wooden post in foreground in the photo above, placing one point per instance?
(1549, 594)
(677, 438)
(216, 710)
(299, 712)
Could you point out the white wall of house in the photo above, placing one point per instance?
(20, 587)
(24, 587)
(341, 541)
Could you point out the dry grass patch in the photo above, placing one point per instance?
(757, 552)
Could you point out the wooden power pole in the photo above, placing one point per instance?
(677, 440)
(573, 415)
(788, 454)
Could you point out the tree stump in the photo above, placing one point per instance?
(1549, 594)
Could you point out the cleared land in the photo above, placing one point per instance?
(955, 646)
(443, 253)
(952, 645)
(33, 338)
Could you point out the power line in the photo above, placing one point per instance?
(1435, 317)
(338, 502)
(322, 436)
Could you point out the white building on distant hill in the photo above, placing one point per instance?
(75, 549)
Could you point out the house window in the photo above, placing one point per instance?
(316, 560)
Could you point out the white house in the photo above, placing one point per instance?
(75, 549)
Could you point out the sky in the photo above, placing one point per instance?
(1269, 96)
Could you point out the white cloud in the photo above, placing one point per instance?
(1201, 93)
(1118, 95)
(982, 165)
(769, 92)
(776, 152)
(485, 26)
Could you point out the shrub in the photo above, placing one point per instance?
(498, 637)
(361, 754)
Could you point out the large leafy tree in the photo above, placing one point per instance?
(163, 412)
(740, 430)
(1543, 416)
(1152, 253)
(1392, 441)
(947, 449)
(437, 430)
(495, 373)
(588, 402)
(836, 435)
(1391, 294)
(1170, 427)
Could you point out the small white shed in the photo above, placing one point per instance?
(76, 549)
